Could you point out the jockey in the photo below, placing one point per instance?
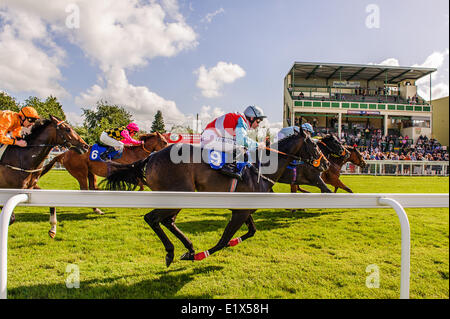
(308, 127)
(228, 133)
(12, 123)
(116, 138)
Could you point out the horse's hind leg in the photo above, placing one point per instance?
(153, 219)
(12, 219)
(238, 217)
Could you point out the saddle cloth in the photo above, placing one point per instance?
(97, 150)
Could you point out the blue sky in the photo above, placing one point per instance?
(204, 56)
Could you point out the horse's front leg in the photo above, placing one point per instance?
(92, 181)
(251, 232)
(169, 223)
(154, 219)
(53, 222)
(238, 218)
(343, 186)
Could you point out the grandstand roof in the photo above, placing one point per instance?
(348, 72)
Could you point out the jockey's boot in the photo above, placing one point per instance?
(105, 155)
(232, 170)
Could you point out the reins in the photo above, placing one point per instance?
(282, 153)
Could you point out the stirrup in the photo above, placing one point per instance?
(231, 170)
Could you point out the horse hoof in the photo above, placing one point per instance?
(98, 211)
(52, 234)
(188, 256)
(169, 259)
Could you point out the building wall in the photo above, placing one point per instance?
(440, 120)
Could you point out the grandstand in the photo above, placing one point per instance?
(341, 98)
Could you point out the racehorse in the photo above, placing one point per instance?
(160, 173)
(331, 176)
(306, 174)
(86, 170)
(21, 167)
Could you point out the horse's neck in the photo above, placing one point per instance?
(338, 161)
(39, 148)
(324, 149)
(283, 161)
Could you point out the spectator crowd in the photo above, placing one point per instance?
(374, 146)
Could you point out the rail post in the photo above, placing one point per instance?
(7, 210)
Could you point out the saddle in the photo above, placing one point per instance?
(221, 162)
(101, 153)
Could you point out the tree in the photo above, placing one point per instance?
(50, 106)
(8, 103)
(158, 123)
(103, 117)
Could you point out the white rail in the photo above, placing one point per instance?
(399, 168)
(65, 198)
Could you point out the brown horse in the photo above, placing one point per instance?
(21, 167)
(162, 173)
(330, 176)
(86, 171)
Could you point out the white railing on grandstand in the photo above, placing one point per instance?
(399, 168)
(10, 198)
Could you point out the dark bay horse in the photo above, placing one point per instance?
(305, 174)
(86, 171)
(161, 173)
(20, 167)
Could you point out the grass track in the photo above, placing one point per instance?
(318, 253)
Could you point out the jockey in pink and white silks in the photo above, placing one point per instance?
(228, 133)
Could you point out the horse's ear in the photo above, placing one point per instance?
(54, 118)
(302, 132)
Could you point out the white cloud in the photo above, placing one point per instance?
(115, 35)
(139, 100)
(439, 79)
(390, 62)
(209, 17)
(210, 81)
(29, 58)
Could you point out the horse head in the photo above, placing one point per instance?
(153, 142)
(307, 150)
(64, 135)
(356, 157)
(334, 148)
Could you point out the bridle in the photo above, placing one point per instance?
(343, 153)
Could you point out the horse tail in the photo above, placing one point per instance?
(59, 159)
(125, 176)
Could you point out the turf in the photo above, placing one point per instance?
(316, 253)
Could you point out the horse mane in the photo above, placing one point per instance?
(37, 129)
(284, 140)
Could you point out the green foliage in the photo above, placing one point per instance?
(316, 253)
(103, 117)
(50, 106)
(158, 123)
(8, 103)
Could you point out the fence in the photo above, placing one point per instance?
(399, 168)
(63, 198)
